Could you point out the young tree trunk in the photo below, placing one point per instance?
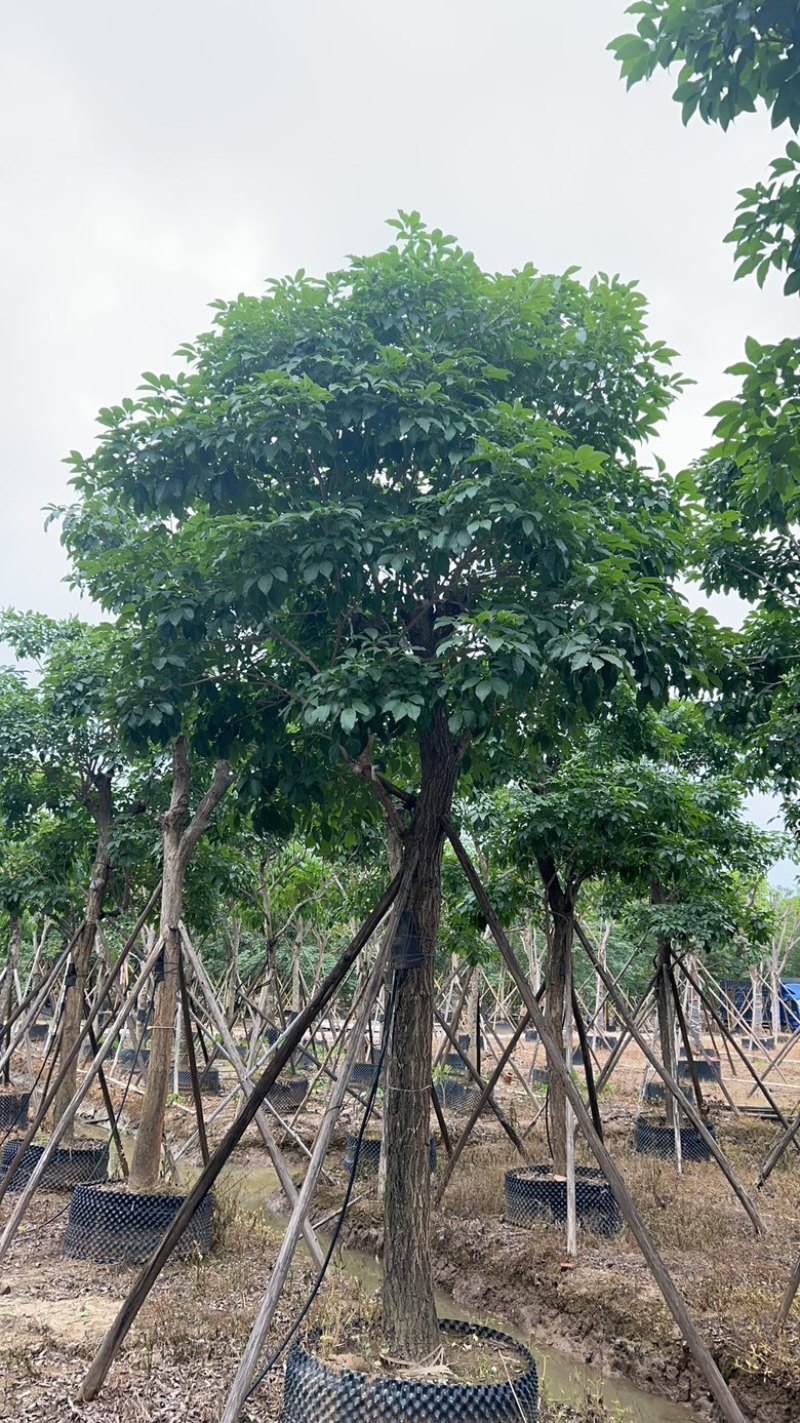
(471, 1010)
(409, 1309)
(296, 974)
(78, 969)
(775, 969)
(757, 1016)
(14, 947)
(559, 957)
(179, 842)
(666, 1021)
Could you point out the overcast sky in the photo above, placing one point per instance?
(158, 155)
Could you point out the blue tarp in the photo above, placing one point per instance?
(741, 995)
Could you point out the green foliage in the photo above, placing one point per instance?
(767, 227)
(407, 485)
(733, 56)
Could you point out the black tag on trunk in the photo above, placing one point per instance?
(407, 951)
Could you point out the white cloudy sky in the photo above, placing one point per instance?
(157, 155)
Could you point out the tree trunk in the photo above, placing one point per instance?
(81, 962)
(296, 975)
(666, 1021)
(409, 1309)
(14, 947)
(559, 957)
(775, 991)
(179, 842)
(472, 1014)
(757, 1015)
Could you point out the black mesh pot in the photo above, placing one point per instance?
(654, 1092)
(129, 1057)
(69, 1166)
(315, 1393)
(288, 1094)
(457, 1096)
(539, 1074)
(533, 1193)
(37, 1032)
(209, 1081)
(123, 1226)
(369, 1153)
(531, 1035)
(272, 1035)
(14, 1109)
(362, 1075)
(708, 1070)
(455, 1062)
(658, 1139)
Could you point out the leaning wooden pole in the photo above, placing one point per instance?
(240, 1388)
(681, 1100)
(709, 1007)
(68, 1116)
(788, 1299)
(479, 1105)
(286, 1045)
(246, 1085)
(724, 1398)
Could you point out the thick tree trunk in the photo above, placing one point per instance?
(81, 962)
(559, 958)
(14, 947)
(409, 1309)
(179, 842)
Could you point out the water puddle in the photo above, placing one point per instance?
(563, 1379)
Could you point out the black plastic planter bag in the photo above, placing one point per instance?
(533, 1194)
(120, 1225)
(314, 1393)
(68, 1166)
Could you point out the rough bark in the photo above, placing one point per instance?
(80, 965)
(561, 903)
(179, 842)
(409, 1309)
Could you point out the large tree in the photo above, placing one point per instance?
(398, 510)
(734, 57)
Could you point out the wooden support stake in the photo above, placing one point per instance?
(724, 1398)
(685, 1105)
(240, 1387)
(190, 1053)
(246, 1084)
(283, 1050)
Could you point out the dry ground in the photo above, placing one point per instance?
(181, 1355)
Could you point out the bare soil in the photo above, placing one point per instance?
(182, 1353)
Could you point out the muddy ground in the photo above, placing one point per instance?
(603, 1308)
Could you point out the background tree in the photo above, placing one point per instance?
(399, 510)
(60, 753)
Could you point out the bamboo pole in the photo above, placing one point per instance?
(240, 1387)
(246, 1084)
(686, 1106)
(68, 1116)
(724, 1398)
(283, 1050)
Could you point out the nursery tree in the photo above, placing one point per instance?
(642, 799)
(734, 57)
(397, 510)
(59, 760)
